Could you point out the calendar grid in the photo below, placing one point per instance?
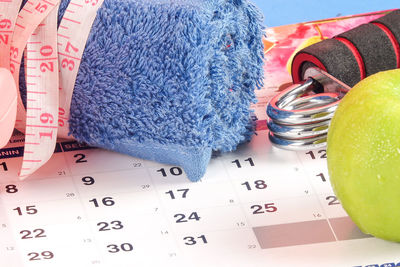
(319, 201)
(85, 213)
(171, 253)
(114, 210)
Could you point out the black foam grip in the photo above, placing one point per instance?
(374, 46)
(336, 58)
(392, 22)
(355, 54)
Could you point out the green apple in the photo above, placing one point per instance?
(364, 154)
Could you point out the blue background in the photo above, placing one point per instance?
(281, 12)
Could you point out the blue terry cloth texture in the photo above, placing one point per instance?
(169, 80)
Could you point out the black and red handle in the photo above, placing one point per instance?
(355, 54)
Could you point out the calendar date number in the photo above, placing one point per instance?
(175, 171)
(4, 166)
(106, 201)
(266, 208)
(45, 255)
(27, 210)
(108, 226)
(11, 189)
(191, 240)
(125, 247)
(183, 218)
(239, 163)
(178, 193)
(320, 154)
(28, 234)
(258, 184)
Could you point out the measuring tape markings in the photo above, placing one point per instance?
(33, 13)
(43, 61)
(71, 40)
(8, 102)
(29, 18)
(49, 56)
(8, 16)
(72, 37)
(42, 92)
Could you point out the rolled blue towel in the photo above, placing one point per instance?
(169, 80)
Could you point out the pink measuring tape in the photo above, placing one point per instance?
(52, 63)
(76, 23)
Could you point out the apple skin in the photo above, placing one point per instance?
(363, 154)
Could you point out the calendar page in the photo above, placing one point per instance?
(257, 206)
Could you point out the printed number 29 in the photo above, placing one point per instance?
(45, 255)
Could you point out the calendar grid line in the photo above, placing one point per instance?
(319, 201)
(108, 190)
(163, 211)
(248, 224)
(83, 207)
